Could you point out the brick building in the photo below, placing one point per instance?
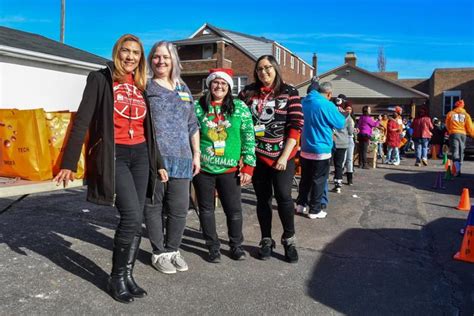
(445, 87)
(212, 47)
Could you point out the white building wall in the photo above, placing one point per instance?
(29, 84)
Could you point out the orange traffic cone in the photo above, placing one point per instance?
(434, 152)
(466, 253)
(447, 164)
(465, 202)
(453, 169)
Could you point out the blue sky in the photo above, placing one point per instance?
(418, 35)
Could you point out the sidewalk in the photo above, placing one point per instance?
(385, 249)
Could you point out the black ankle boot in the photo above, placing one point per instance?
(349, 178)
(266, 247)
(291, 255)
(117, 283)
(132, 286)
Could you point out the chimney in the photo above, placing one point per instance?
(315, 64)
(350, 58)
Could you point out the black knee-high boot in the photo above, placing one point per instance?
(132, 286)
(117, 283)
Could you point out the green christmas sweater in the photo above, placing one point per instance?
(226, 139)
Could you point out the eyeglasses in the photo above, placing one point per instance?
(223, 84)
(266, 68)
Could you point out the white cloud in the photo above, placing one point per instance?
(16, 19)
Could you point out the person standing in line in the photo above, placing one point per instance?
(349, 157)
(227, 135)
(393, 140)
(341, 144)
(422, 127)
(177, 136)
(321, 117)
(278, 119)
(437, 140)
(122, 158)
(365, 126)
(458, 124)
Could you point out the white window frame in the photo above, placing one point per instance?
(292, 62)
(451, 94)
(284, 57)
(239, 84)
(278, 54)
(303, 69)
(297, 66)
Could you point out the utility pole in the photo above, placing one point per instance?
(63, 17)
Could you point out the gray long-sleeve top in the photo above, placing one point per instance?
(342, 136)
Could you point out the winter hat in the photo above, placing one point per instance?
(221, 73)
(459, 104)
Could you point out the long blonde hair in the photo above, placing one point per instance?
(140, 74)
(175, 75)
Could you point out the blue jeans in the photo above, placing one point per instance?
(421, 148)
(393, 154)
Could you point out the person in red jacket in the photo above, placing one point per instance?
(422, 127)
(393, 140)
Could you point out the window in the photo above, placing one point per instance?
(449, 99)
(292, 62)
(297, 66)
(239, 84)
(284, 57)
(277, 54)
(207, 51)
(303, 69)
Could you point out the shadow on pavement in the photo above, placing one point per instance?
(392, 271)
(46, 231)
(426, 180)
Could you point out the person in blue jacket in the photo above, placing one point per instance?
(321, 117)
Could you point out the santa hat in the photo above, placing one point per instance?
(459, 103)
(221, 73)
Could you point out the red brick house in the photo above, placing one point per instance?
(212, 47)
(445, 87)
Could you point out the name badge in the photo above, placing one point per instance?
(259, 130)
(184, 96)
(219, 147)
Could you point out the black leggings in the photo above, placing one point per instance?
(338, 160)
(267, 182)
(363, 146)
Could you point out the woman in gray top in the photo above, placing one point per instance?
(341, 142)
(177, 137)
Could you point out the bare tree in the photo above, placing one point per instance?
(381, 60)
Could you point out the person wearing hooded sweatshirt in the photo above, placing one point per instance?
(321, 117)
(458, 124)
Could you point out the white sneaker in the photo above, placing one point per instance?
(162, 262)
(178, 261)
(321, 214)
(396, 163)
(300, 209)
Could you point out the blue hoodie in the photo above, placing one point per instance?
(320, 118)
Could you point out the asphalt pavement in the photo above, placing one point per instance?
(385, 248)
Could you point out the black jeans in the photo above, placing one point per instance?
(131, 180)
(266, 182)
(169, 212)
(338, 160)
(363, 146)
(314, 176)
(228, 188)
